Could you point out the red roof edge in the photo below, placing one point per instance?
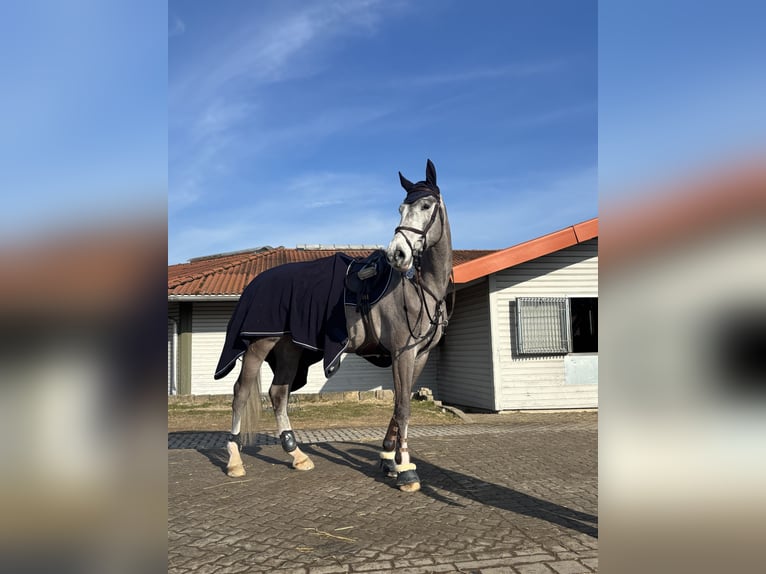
(526, 251)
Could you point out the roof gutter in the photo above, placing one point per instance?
(527, 251)
(182, 298)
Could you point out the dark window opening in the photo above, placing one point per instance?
(584, 317)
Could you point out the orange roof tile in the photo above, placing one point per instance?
(545, 245)
(228, 274)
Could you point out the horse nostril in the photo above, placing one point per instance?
(399, 255)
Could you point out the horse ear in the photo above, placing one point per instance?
(406, 183)
(430, 172)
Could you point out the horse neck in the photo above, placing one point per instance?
(436, 262)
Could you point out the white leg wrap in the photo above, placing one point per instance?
(403, 467)
(385, 455)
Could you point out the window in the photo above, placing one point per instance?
(584, 321)
(556, 325)
(542, 325)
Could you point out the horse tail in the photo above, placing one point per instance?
(251, 413)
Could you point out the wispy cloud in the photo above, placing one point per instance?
(260, 52)
(219, 116)
(317, 190)
(343, 208)
(524, 209)
(518, 70)
(216, 104)
(550, 116)
(323, 124)
(320, 207)
(176, 26)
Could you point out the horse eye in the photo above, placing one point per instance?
(426, 206)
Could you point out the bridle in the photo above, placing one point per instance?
(422, 232)
(422, 290)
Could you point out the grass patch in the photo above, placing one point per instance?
(214, 413)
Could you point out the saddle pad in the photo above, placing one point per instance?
(303, 299)
(378, 272)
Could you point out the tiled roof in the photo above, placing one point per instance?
(228, 274)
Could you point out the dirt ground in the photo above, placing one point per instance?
(214, 414)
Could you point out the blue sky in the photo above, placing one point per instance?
(288, 122)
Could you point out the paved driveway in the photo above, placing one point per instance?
(511, 497)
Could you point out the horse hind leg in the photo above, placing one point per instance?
(246, 382)
(289, 369)
(279, 395)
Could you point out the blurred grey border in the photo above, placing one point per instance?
(82, 288)
(682, 449)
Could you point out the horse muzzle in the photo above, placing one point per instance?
(399, 255)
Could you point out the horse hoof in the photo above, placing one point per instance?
(305, 464)
(235, 471)
(412, 487)
(407, 478)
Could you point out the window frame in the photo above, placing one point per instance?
(524, 347)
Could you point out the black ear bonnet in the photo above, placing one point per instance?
(421, 189)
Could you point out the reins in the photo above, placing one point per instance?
(421, 289)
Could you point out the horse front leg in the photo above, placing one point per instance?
(406, 366)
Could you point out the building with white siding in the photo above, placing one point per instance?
(524, 334)
(202, 295)
(493, 357)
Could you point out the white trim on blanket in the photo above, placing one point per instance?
(269, 334)
(227, 368)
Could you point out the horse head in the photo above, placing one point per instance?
(419, 211)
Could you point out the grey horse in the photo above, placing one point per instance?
(408, 321)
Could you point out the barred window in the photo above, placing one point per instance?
(556, 325)
(543, 325)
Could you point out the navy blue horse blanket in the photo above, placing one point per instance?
(302, 299)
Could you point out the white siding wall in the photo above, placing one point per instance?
(524, 382)
(465, 361)
(209, 322)
(209, 332)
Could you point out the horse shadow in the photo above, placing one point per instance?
(219, 457)
(435, 479)
(365, 460)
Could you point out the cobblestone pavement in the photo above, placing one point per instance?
(509, 498)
